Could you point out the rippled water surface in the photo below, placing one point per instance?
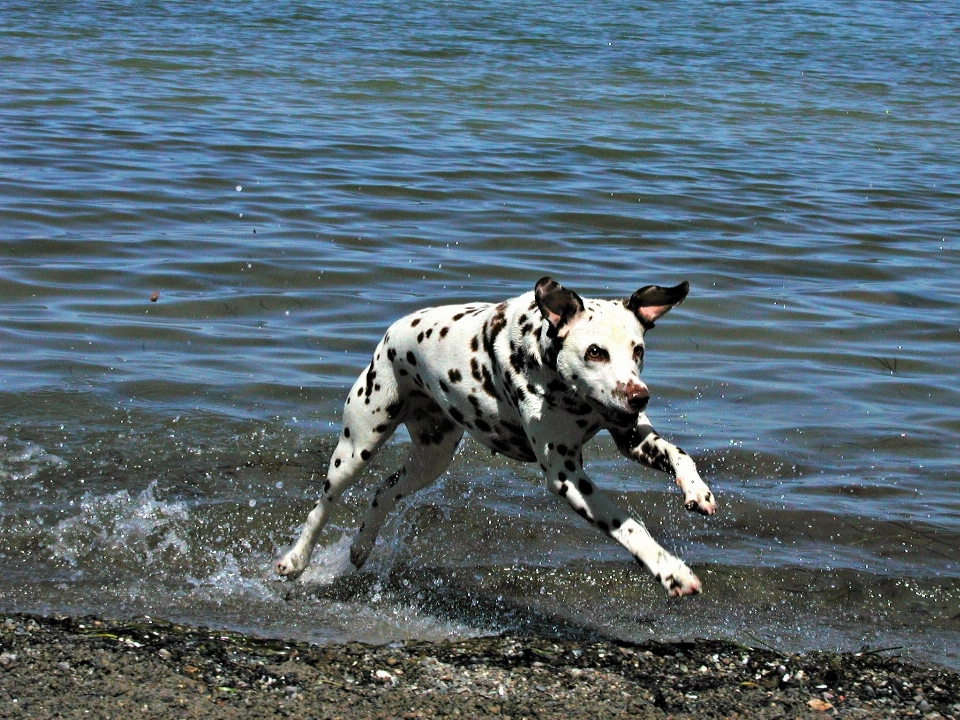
(209, 213)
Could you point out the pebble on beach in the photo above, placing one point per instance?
(62, 667)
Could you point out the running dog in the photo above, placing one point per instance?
(533, 378)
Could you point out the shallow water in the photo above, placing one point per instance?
(290, 178)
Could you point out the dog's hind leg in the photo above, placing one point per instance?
(433, 440)
(366, 426)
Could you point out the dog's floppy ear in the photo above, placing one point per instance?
(558, 305)
(652, 302)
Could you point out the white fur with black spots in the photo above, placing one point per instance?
(533, 378)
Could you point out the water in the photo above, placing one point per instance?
(289, 178)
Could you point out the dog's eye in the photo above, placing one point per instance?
(638, 353)
(596, 353)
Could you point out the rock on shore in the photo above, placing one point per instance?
(91, 667)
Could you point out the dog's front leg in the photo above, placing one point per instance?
(642, 444)
(562, 465)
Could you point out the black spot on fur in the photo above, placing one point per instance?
(411, 358)
(475, 343)
(420, 338)
(391, 354)
(488, 386)
(416, 321)
(364, 455)
(585, 486)
(497, 323)
(444, 388)
(575, 407)
(443, 332)
(552, 351)
(381, 428)
(482, 425)
(515, 429)
(518, 358)
(458, 316)
(456, 415)
(393, 409)
(455, 376)
(520, 395)
(346, 432)
(336, 463)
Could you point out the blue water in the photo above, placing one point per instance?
(289, 178)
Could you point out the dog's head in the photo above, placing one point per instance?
(599, 344)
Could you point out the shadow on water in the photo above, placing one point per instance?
(447, 594)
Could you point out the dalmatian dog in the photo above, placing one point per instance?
(533, 378)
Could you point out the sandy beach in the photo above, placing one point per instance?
(65, 667)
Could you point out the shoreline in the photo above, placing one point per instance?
(93, 667)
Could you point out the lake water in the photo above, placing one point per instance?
(286, 179)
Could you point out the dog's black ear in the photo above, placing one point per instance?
(558, 305)
(652, 302)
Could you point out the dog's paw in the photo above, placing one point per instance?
(680, 580)
(290, 565)
(702, 502)
(697, 496)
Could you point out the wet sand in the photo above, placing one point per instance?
(88, 667)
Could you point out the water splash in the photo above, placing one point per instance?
(121, 531)
(21, 462)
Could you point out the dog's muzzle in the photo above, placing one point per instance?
(636, 396)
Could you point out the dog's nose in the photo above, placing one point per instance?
(637, 396)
